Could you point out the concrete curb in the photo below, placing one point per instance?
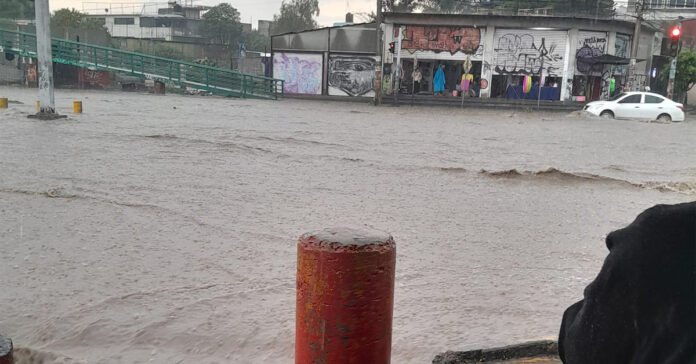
(524, 350)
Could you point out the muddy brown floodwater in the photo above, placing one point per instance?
(164, 228)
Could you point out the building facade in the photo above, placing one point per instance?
(338, 61)
(571, 59)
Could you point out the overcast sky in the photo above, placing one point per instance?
(330, 11)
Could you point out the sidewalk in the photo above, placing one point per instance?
(448, 101)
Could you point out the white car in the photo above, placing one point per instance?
(637, 105)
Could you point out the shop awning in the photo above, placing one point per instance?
(608, 59)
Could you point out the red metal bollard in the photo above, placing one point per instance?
(345, 297)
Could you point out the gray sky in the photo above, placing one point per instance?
(330, 10)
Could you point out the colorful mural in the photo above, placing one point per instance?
(440, 39)
(301, 72)
(92, 78)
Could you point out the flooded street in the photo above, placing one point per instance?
(164, 228)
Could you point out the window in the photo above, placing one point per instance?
(147, 22)
(631, 99)
(618, 96)
(124, 21)
(650, 99)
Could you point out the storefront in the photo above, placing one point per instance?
(568, 59)
(486, 56)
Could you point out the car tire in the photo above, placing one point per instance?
(665, 118)
(606, 114)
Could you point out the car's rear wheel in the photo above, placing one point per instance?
(665, 118)
(606, 114)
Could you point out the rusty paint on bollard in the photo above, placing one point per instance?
(345, 297)
(3, 103)
(6, 355)
(77, 107)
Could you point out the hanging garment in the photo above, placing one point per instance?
(439, 80)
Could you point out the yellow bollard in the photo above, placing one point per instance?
(38, 106)
(3, 103)
(77, 107)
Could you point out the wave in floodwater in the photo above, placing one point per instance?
(225, 145)
(688, 188)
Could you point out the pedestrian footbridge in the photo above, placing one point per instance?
(218, 81)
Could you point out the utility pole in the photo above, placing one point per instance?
(397, 68)
(47, 107)
(640, 7)
(380, 55)
(672, 73)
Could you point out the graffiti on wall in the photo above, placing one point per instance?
(92, 78)
(301, 72)
(352, 76)
(523, 54)
(440, 39)
(590, 45)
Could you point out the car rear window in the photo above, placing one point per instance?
(650, 99)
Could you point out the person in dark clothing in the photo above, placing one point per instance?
(641, 307)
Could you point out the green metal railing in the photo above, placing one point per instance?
(216, 80)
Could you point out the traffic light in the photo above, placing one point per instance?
(392, 45)
(675, 33)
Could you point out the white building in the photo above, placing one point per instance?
(175, 23)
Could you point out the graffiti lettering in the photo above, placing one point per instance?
(519, 54)
(352, 75)
(588, 47)
(440, 39)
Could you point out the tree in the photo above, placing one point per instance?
(256, 41)
(295, 16)
(401, 6)
(222, 24)
(594, 8)
(365, 17)
(66, 22)
(16, 9)
(685, 78)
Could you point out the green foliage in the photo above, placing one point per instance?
(295, 16)
(66, 22)
(598, 8)
(685, 77)
(403, 6)
(256, 41)
(164, 51)
(221, 24)
(16, 9)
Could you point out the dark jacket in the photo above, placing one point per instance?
(641, 308)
